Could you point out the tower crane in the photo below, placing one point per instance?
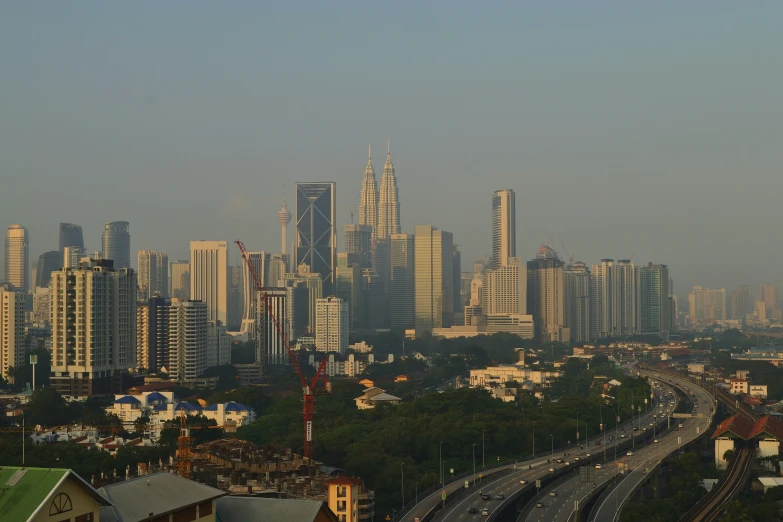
(308, 387)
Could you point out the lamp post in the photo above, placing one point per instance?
(553, 447)
(402, 483)
(483, 464)
(577, 428)
(474, 464)
(440, 458)
(534, 439)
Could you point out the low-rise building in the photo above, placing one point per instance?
(48, 494)
(159, 497)
(350, 365)
(758, 390)
(350, 501)
(696, 367)
(737, 386)
(498, 375)
(374, 396)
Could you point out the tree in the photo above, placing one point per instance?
(48, 408)
(728, 454)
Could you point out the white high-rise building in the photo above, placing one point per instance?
(260, 262)
(368, 197)
(153, 274)
(187, 339)
(218, 345)
(401, 281)
(209, 277)
(504, 229)
(93, 327)
(331, 328)
(278, 268)
(17, 258)
(12, 332)
(577, 302)
(601, 310)
(388, 201)
(505, 288)
(625, 298)
(179, 279)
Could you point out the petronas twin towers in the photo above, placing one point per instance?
(380, 209)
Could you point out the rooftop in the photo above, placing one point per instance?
(254, 508)
(157, 494)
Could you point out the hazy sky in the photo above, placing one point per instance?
(651, 129)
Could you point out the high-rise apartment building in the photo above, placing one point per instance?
(577, 302)
(72, 255)
(93, 327)
(235, 297)
(433, 278)
(315, 291)
(504, 289)
(504, 231)
(768, 294)
(188, 325)
(179, 279)
(153, 274)
(707, 305)
(401, 281)
(654, 299)
(349, 287)
(546, 298)
(358, 241)
(115, 243)
(368, 199)
(601, 310)
(270, 348)
(388, 201)
(260, 261)
(331, 330)
(48, 262)
(143, 354)
(17, 258)
(625, 298)
(152, 334)
(316, 241)
(278, 268)
(12, 333)
(42, 308)
(71, 235)
(741, 303)
(218, 345)
(209, 277)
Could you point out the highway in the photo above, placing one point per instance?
(509, 485)
(559, 508)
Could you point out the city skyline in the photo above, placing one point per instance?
(646, 148)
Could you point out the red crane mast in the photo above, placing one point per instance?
(308, 388)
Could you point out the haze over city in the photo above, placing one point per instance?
(649, 131)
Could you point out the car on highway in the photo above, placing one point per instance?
(576, 459)
(655, 441)
(499, 496)
(629, 453)
(551, 470)
(539, 505)
(597, 466)
(553, 493)
(680, 426)
(485, 496)
(523, 482)
(588, 455)
(485, 512)
(472, 510)
(559, 461)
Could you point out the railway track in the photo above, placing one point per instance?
(737, 474)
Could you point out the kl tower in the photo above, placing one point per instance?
(284, 217)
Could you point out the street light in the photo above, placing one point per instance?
(402, 483)
(474, 464)
(577, 428)
(440, 458)
(553, 447)
(483, 465)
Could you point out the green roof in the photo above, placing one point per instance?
(23, 490)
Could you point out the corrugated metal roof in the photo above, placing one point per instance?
(228, 509)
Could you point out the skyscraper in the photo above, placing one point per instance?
(270, 348)
(741, 303)
(654, 299)
(187, 339)
(625, 298)
(456, 275)
(48, 262)
(284, 218)
(504, 230)
(115, 243)
(388, 202)
(331, 330)
(12, 332)
(209, 277)
(348, 287)
(577, 302)
(316, 242)
(71, 235)
(358, 241)
(179, 279)
(434, 282)
(260, 261)
(546, 297)
(706, 305)
(368, 198)
(504, 289)
(91, 351)
(601, 300)
(17, 258)
(153, 274)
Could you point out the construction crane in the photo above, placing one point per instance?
(308, 387)
(183, 447)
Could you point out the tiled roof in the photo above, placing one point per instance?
(345, 481)
(128, 399)
(743, 428)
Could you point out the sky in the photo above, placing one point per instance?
(648, 130)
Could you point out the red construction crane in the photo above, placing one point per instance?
(308, 388)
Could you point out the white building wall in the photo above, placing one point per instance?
(12, 333)
(209, 277)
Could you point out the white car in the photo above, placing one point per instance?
(598, 466)
(655, 441)
(629, 453)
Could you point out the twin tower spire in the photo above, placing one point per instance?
(380, 208)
